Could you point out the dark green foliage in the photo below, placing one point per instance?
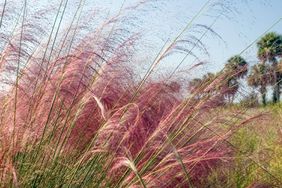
(237, 66)
(260, 76)
(269, 50)
(269, 47)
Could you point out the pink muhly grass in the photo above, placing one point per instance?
(84, 101)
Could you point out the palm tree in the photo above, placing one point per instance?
(198, 85)
(269, 49)
(235, 68)
(195, 84)
(210, 88)
(260, 76)
(229, 88)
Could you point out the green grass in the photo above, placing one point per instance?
(260, 144)
(74, 113)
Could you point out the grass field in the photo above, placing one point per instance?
(257, 159)
(77, 108)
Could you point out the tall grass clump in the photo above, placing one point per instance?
(74, 112)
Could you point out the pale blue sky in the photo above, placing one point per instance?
(243, 26)
(163, 19)
(249, 19)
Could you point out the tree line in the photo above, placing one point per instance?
(267, 72)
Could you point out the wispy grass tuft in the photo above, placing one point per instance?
(75, 114)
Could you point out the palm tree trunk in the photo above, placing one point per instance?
(274, 94)
(263, 95)
(276, 87)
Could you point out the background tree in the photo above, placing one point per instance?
(260, 76)
(210, 88)
(237, 66)
(235, 69)
(195, 85)
(198, 85)
(229, 88)
(250, 100)
(228, 81)
(269, 50)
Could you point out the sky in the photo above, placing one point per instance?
(235, 25)
(246, 21)
(250, 23)
(243, 23)
(240, 23)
